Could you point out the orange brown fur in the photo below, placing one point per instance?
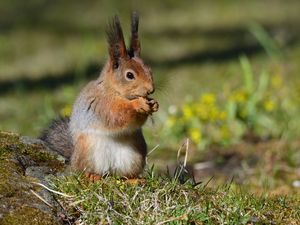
(107, 116)
(81, 156)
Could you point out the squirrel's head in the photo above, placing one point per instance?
(128, 74)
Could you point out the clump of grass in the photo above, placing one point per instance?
(164, 200)
(256, 107)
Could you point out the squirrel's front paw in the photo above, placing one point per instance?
(146, 106)
(142, 105)
(153, 105)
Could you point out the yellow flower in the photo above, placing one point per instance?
(239, 96)
(269, 105)
(171, 121)
(187, 112)
(276, 81)
(202, 111)
(66, 111)
(208, 99)
(222, 115)
(195, 135)
(213, 113)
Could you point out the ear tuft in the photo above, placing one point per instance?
(135, 47)
(115, 39)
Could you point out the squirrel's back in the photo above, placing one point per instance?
(58, 137)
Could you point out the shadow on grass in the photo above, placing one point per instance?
(47, 82)
(238, 34)
(50, 81)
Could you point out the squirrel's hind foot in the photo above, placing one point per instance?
(135, 181)
(93, 177)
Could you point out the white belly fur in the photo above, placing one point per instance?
(109, 156)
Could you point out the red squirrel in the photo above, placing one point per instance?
(103, 134)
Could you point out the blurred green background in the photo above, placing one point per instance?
(50, 49)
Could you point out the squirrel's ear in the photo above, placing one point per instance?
(135, 46)
(117, 48)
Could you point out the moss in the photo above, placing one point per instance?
(10, 143)
(17, 203)
(38, 154)
(28, 216)
(10, 178)
(7, 138)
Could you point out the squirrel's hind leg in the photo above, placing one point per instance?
(93, 177)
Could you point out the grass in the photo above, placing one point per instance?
(164, 200)
(49, 45)
(49, 50)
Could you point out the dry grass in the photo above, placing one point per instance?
(164, 200)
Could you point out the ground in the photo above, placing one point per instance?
(49, 50)
(24, 163)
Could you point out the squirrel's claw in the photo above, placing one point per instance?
(153, 105)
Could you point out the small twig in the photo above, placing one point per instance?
(53, 191)
(41, 198)
(76, 202)
(63, 211)
(186, 144)
(153, 149)
(182, 217)
(179, 151)
(186, 152)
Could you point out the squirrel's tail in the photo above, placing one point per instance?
(58, 138)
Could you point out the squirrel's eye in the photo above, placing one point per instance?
(129, 76)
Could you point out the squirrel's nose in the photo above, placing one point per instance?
(151, 91)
